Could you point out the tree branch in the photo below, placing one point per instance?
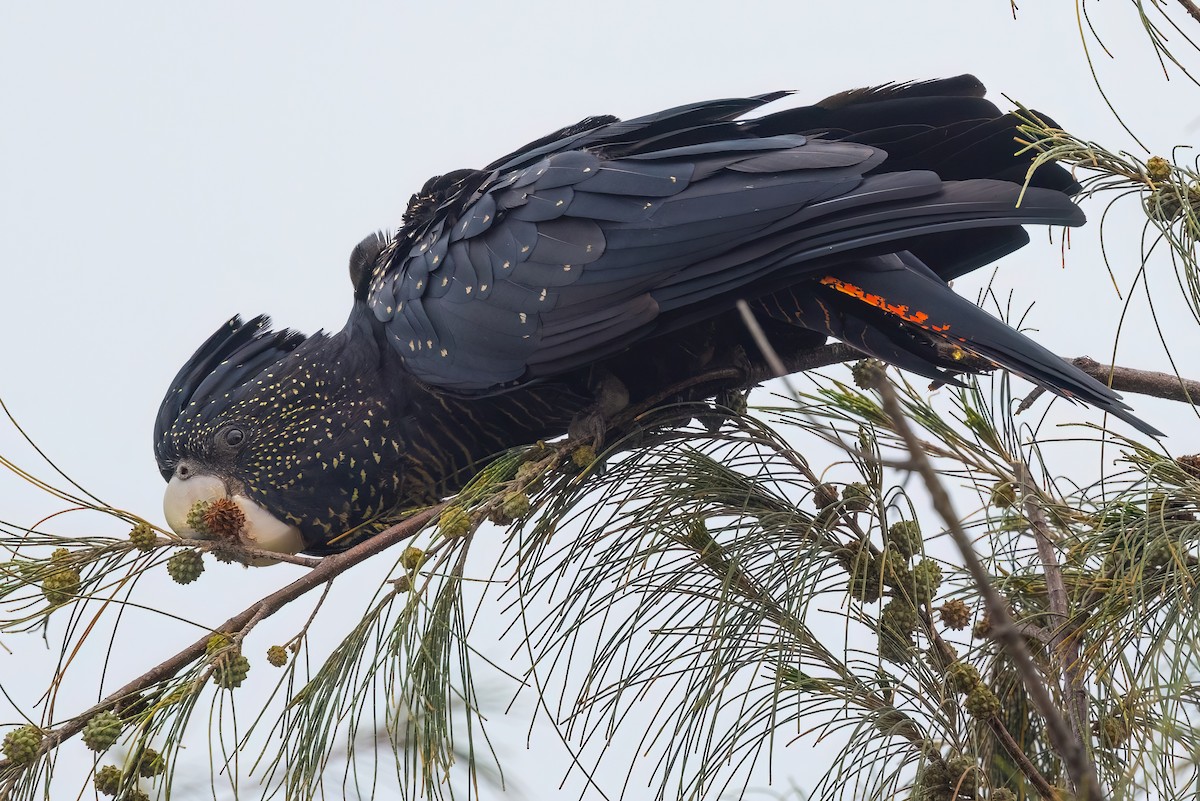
(1127, 379)
(1076, 760)
(1141, 382)
(1191, 8)
(1014, 750)
(330, 567)
(1064, 648)
(775, 364)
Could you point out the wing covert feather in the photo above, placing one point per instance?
(591, 239)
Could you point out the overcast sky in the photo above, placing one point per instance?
(163, 166)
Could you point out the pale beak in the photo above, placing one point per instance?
(262, 530)
(184, 493)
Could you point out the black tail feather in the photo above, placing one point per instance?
(892, 308)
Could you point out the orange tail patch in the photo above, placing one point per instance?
(918, 318)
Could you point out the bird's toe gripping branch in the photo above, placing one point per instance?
(610, 397)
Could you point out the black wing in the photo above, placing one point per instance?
(598, 236)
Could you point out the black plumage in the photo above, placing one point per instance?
(622, 247)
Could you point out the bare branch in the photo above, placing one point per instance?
(1128, 379)
(1141, 382)
(1192, 9)
(774, 364)
(1014, 750)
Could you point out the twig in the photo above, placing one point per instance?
(815, 358)
(209, 546)
(1192, 9)
(1065, 648)
(1001, 732)
(296, 640)
(1078, 764)
(1123, 379)
(1128, 379)
(329, 568)
(1014, 750)
(778, 366)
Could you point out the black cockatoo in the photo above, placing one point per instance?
(618, 249)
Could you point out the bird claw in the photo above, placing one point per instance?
(587, 428)
(610, 397)
(735, 399)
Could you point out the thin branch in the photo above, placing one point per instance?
(774, 364)
(1077, 761)
(1014, 750)
(246, 552)
(1064, 647)
(1033, 632)
(329, 568)
(1141, 382)
(295, 641)
(1001, 732)
(1128, 379)
(1192, 9)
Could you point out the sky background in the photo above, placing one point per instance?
(164, 166)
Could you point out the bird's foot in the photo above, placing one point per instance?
(733, 398)
(610, 396)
